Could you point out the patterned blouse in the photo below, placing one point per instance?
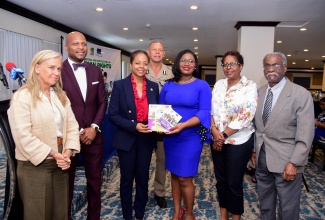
(235, 108)
(321, 117)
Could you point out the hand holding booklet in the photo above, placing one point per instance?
(162, 118)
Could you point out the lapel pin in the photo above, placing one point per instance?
(151, 89)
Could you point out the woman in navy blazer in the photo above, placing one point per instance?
(134, 141)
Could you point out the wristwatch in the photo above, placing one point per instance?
(95, 127)
(225, 135)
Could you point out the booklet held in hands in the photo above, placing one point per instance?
(162, 118)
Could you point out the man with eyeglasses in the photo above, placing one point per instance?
(284, 132)
(159, 73)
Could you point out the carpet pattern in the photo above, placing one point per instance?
(206, 206)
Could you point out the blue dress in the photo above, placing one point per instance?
(183, 150)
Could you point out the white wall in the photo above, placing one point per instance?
(22, 25)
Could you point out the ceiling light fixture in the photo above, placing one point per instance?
(99, 9)
(303, 29)
(289, 55)
(305, 50)
(196, 48)
(293, 63)
(193, 7)
(195, 28)
(323, 56)
(167, 59)
(279, 41)
(312, 68)
(140, 39)
(196, 53)
(195, 40)
(306, 60)
(125, 29)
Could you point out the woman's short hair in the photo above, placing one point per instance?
(234, 53)
(176, 70)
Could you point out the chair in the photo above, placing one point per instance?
(317, 144)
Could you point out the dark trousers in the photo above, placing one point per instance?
(229, 169)
(43, 189)
(272, 186)
(93, 161)
(134, 164)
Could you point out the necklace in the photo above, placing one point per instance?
(187, 81)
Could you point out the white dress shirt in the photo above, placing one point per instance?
(80, 75)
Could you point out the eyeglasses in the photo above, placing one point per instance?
(232, 65)
(275, 66)
(190, 61)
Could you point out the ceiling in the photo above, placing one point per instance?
(171, 21)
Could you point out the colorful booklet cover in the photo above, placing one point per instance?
(162, 118)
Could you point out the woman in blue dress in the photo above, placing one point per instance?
(191, 98)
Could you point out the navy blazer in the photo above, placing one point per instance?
(122, 112)
(93, 109)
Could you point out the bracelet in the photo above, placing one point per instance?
(212, 127)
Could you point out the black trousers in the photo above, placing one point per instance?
(229, 169)
(134, 164)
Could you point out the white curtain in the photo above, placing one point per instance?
(20, 50)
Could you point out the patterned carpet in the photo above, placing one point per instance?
(206, 206)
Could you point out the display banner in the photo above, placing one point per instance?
(109, 60)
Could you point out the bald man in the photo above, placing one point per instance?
(84, 86)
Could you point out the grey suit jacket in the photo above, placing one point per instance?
(289, 132)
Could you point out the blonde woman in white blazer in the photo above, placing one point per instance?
(46, 135)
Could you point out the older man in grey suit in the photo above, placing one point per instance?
(284, 132)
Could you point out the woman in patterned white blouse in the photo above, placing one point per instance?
(320, 121)
(234, 102)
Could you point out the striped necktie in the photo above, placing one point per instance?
(267, 107)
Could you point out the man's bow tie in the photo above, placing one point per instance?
(77, 65)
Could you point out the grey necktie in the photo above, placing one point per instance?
(267, 106)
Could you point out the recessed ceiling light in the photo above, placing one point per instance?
(312, 68)
(193, 7)
(288, 55)
(195, 28)
(196, 48)
(167, 59)
(305, 50)
(140, 39)
(303, 29)
(279, 41)
(195, 40)
(125, 29)
(99, 9)
(323, 56)
(306, 60)
(293, 63)
(196, 53)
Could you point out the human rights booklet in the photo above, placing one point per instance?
(162, 117)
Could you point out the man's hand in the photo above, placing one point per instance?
(290, 172)
(87, 135)
(253, 158)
